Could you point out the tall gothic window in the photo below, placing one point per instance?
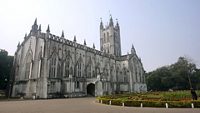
(52, 69)
(117, 74)
(89, 69)
(67, 68)
(104, 38)
(136, 75)
(77, 84)
(111, 74)
(28, 66)
(59, 70)
(125, 76)
(79, 69)
(17, 72)
(107, 37)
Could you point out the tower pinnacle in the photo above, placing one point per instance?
(48, 29)
(34, 28)
(75, 38)
(35, 23)
(39, 28)
(84, 42)
(93, 46)
(117, 24)
(133, 50)
(111, 21)
(62, 34)
(101, 24)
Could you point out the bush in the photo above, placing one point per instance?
(196, 103)
(105, 101)
(136, 103)
(154, 103)
(177, 99)
(116, 102)
(132, 103)
(179, 104)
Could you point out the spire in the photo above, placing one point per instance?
(111, 21)
(48, 29)
(18, 45)
(101, 24)
(117, 24)
(39, 28)
(34, 27)
(84, 42)
(62, 34)
(93, 46)
(133, 50)
(25, 36)
(75, 38)
(35, 23)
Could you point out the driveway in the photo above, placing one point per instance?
(79, 105)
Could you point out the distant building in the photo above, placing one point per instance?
(49, 66)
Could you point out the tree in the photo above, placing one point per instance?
(175, 76)
(5, 68)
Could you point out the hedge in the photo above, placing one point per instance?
(148, 103)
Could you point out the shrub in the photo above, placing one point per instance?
(175, 99)
(196, 103)
(179, 104)
(154, 103)
(132, 103)
(105, 101)
(116, 102)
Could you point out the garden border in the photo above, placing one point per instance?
(146, 103)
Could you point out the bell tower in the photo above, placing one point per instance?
(110, 41)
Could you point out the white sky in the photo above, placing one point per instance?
(161, 31)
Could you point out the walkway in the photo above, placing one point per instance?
(79, 105)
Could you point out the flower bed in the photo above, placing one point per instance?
(180, 99)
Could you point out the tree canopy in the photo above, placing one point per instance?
(175, 76)
(5, 68)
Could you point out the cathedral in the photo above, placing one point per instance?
(50, 66)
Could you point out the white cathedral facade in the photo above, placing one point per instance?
(49, 66)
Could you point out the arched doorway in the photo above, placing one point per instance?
(91, 89)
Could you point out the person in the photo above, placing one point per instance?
(194, 95)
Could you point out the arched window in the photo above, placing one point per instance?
(52, 69)
(117, 75)
(104, 38)
(136, 74)
(67, 68)
(77, 84)
(107, 37)
(105, 71)
(125, 75)
(17, 72)
(111, 74)
(97, 70)
(28, 66)
(79, 69)
(89, 70)
(59, 70)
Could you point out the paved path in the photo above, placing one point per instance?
(79, 105)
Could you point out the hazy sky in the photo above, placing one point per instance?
(160, 30)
